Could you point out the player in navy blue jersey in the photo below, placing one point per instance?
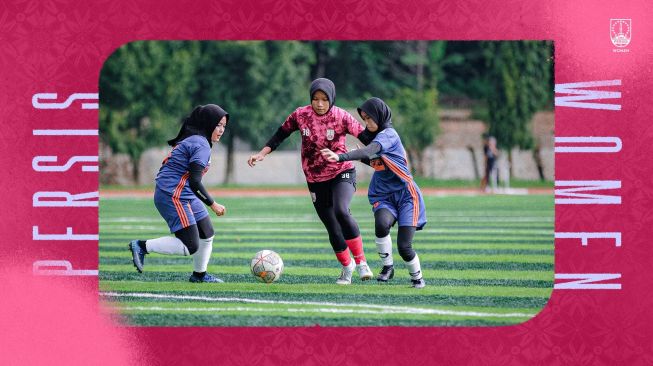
(393, 194)
(180, 197)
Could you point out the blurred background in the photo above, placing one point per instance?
(444, 95)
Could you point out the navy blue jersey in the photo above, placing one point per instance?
(392, 186)
(390, 165)
(173, 175)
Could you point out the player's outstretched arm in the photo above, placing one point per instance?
(253, 159)
(358, 154)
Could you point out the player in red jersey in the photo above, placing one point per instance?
(331, 185)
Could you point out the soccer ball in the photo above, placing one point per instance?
(266, 266)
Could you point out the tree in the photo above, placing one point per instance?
(139, 106)
(520, 83)
(258, 82)
(415, 115)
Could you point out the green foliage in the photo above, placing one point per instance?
(144, 90)
(147, 87)
(519, 81)
(415, 115)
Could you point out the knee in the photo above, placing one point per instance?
(192, 247)
(406, 251)
(207, 232)
(342, 213)
(381, 229)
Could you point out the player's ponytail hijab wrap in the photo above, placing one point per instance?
(201, 121)
(380, 113)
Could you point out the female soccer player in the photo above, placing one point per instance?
(331, 184)
(180, 196)
(393, 194)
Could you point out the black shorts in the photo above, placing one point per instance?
(321, 192)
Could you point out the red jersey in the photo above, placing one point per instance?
(318, 132)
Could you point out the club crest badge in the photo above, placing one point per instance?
(330, 134)
(620, 32)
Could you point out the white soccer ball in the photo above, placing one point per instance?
(266, 266)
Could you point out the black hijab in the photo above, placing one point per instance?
(327, 87)
(202, 121)
(380, 113)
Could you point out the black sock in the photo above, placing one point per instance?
(141, 243)
(199, 274)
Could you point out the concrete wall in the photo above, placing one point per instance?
(457, 154)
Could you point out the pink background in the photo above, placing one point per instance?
(60, 46)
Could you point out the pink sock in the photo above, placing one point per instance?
(356, 247)
(343, 257)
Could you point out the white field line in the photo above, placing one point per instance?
(332, 307)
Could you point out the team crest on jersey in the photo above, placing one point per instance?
(330, 134)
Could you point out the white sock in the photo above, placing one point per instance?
(414, 268)
(166, 245)
(384, 248)
(203, 254)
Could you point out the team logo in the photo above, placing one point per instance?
(620, 32)
(330, 134)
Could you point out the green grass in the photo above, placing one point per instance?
(487, 260)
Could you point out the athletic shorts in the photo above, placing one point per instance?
(407, 208)
(321, 192)
(179, 213)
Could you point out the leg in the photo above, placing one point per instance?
(179, 217)
(384, 219)
(404, 244)
(203, 255)
(412, 217)
(342, 193)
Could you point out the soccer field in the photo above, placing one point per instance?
(487, 260)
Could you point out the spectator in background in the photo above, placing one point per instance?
(490, 153)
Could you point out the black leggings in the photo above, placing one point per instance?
(191, 235)
(383, 221)
(332, 206)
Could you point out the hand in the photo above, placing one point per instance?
(330, 155)
(255, 159)
(218, 209)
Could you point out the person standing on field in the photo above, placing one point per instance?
(393, 194)
(180, 197)
(331, 184)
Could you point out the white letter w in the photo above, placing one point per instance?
(580, 95)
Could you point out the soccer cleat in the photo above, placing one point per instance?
(364, 271)
(206, 278)
(138, 256)
(386, 274)
(345, 275)
(418, 283)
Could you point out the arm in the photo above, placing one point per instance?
(281, 134)
(195, 183)
(358, 154)
(277, 138)
(365, 136)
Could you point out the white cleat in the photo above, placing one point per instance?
(364, 271)
(345, 275)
